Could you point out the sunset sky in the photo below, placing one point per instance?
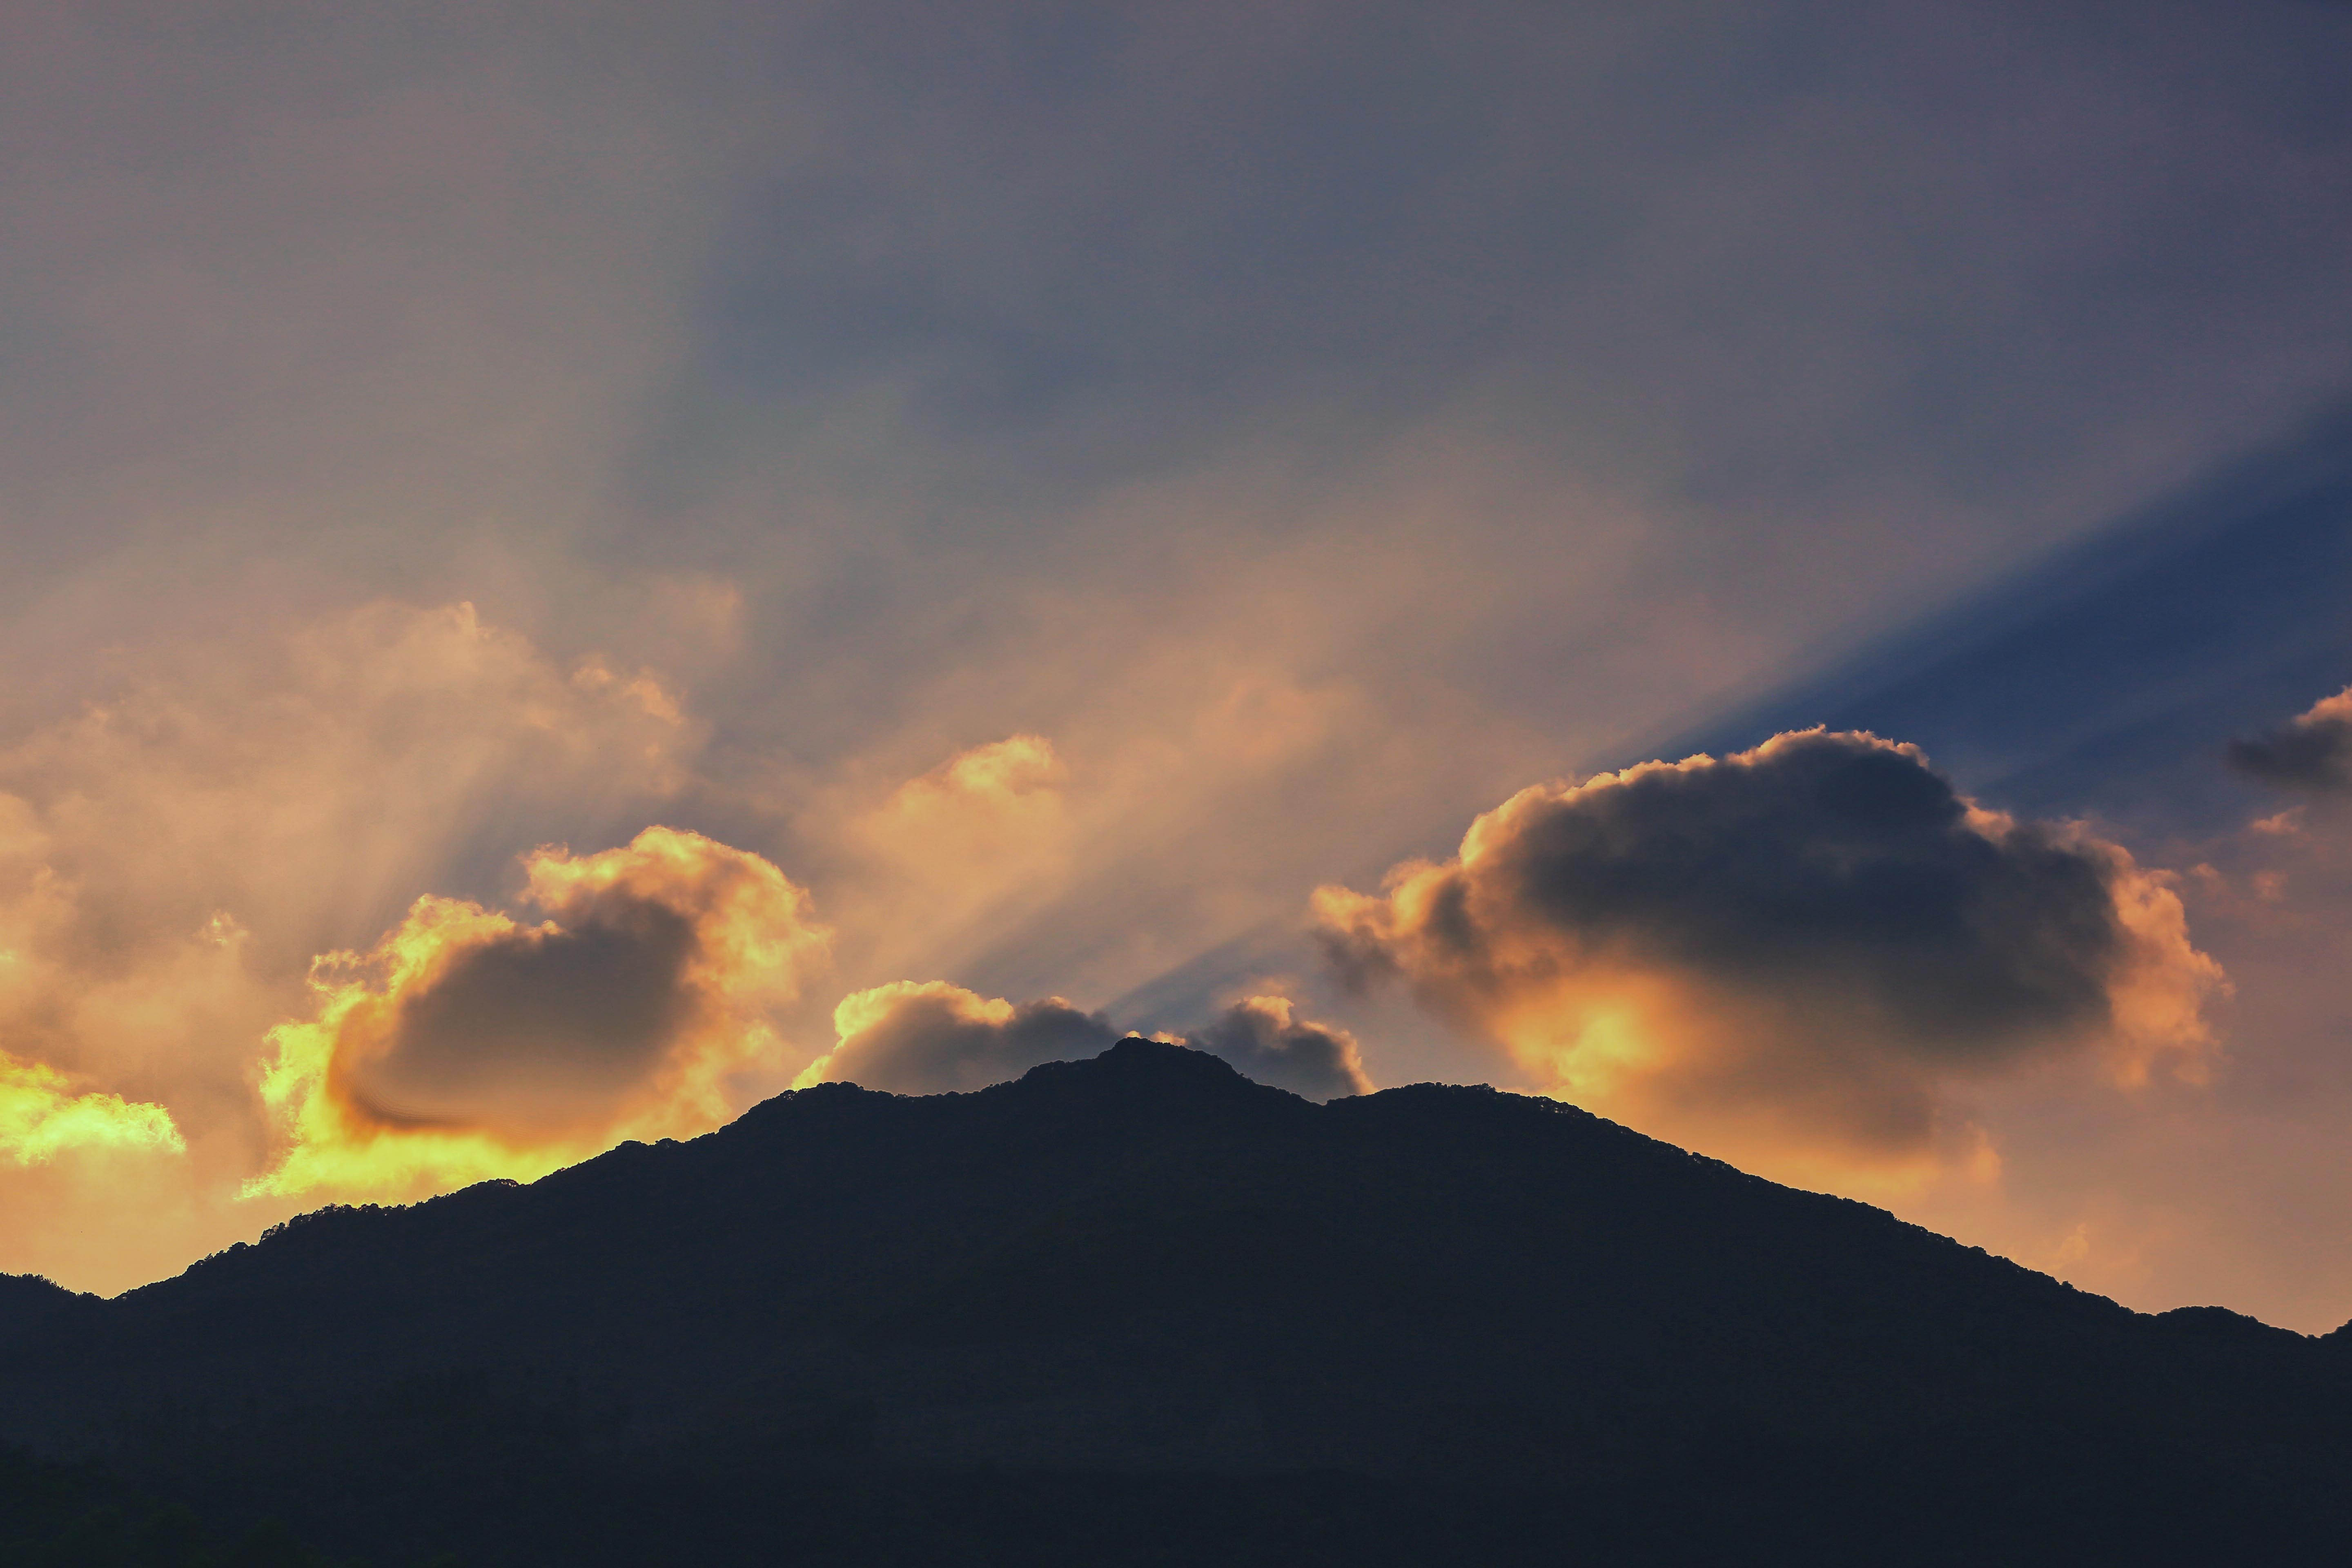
(569, 568)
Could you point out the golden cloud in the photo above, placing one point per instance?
(42, 1116)
(171, 857)
(1019, 772)
(1791, 954)
(467, 1044)
(175, 850)
(984, 820)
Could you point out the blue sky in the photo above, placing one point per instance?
(2106, 677)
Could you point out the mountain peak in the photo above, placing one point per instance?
(1136, 1060)
(1141, 1081)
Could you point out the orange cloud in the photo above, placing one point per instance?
(41, 1116)
(1791, 955)
(467, 1044)
(176, 851)
(982, 815)
(928, 867)
(171, 857)
(1020, 772)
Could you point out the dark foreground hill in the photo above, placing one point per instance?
(1141, 1310)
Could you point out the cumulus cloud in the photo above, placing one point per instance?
(1792, 953)
(2312, 752)
(467, 1044)
(177, 846)
(175, 849)
(249, 805)
(1261, 1038)
(931, 1037)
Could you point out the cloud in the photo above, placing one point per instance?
(967, 845)
(1016, 774)
(931, 1037)
(1259, 1036)
(305, 777)
(41, 1116)
(1794, 951)
(2312, 752)
(203, 822)
(468, 1044)
(176, 848)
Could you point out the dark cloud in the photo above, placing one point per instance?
(1822, 926)
(1839, 863)
(468, 1044)
(1262, 1041)
(935, 1039)
(2312, 752)
(541, 1029)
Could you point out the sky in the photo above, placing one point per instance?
(1773, 571)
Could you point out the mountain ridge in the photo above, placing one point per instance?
(1144, 1264)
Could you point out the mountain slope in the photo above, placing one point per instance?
(26, 1300)
(1145, 1263)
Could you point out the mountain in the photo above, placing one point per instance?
(26, 1300)
(1142, 1288)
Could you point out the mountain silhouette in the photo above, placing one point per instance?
(1144, 1288)
(26, 1300)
